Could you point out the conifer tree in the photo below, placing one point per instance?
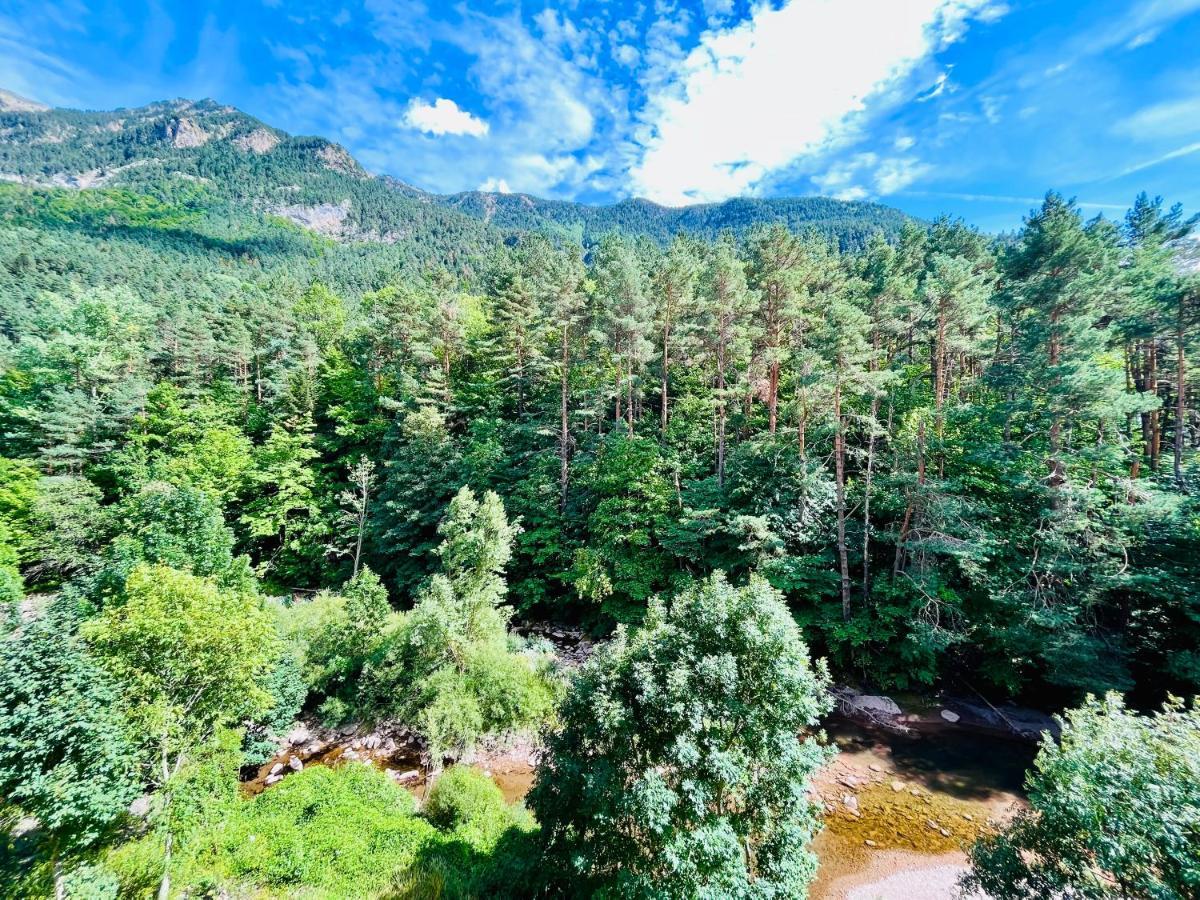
(725, 330)
(622, 296)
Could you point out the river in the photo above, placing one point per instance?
(900, 807)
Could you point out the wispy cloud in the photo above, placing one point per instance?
(1171, 118)
(1000, 198)
(1186, 150)
(718, 127)
(495, 185)
(868, 174)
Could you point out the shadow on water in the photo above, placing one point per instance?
(963, 764)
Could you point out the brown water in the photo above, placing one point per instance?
(921, 799)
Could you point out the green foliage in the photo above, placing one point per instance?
(288, 691)
(188, 655)
(464, 796)
(1115, 810)
(678, 770)
(344, 832)
(66, 752)
(445, 666)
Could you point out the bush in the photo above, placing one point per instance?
(464, 795)
(288, 690)
(347, 831)
(92, 883)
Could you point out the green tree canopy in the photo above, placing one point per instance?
(1115, 811)
(677, 771)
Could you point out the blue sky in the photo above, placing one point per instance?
(971, 107)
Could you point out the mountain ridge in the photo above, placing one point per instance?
(307, 179)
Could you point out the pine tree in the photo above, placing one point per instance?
(674, 284)
(774, 271)
(725, 330)
(568, 309)
(622, 297)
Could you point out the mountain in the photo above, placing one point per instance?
(848, 223)
(247, 167)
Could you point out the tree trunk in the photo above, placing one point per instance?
(720, 419)
(564, 434)
(939, 386)
(1180, 395)
(666, 362)
(362, 521)
(164, 886)
(906, 524)
(840, 469)
(1155, 415)
(629, 396)
(1057, 471)
(60, 883)
(866, 545)
(773, 396)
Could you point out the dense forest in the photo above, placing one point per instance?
(251, 472)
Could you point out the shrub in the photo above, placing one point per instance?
(678, 771)
(347, 831)
(463, 795)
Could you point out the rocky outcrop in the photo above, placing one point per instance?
(328, 219)
(257, 141)
(338, 159)
(184, 133)
(571, 647)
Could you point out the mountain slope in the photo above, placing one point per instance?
(242, 162)
(848, 223)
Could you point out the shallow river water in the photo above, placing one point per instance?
(900, 808)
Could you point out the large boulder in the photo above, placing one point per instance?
(873, 703)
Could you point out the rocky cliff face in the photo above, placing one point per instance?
(10, 102)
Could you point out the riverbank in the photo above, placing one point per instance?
(901, 805)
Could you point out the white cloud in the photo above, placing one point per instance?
(904, 142)
(495, 186)
(443, 117)
(785, 84)
(867, 174)
(626, 54)
(1141, 40)
(894, 175)
(1171, 118)
(991, 108)
(939, 88)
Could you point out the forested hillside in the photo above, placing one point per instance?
(258, 169)
(251, 470)
(849, 224)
